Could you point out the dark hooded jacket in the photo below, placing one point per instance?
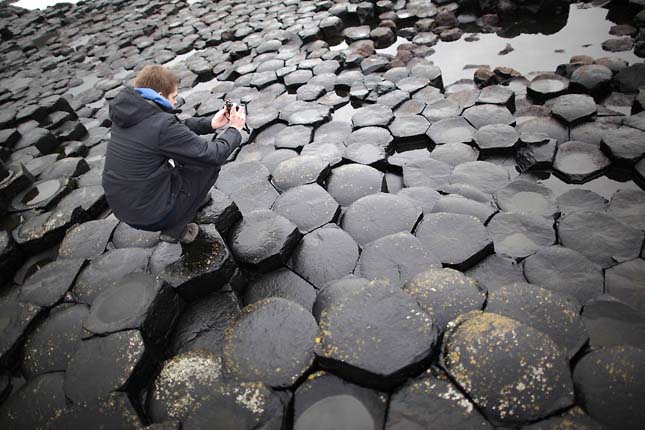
(140, 184)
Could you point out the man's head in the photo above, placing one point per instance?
(160, 79)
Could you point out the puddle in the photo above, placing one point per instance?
(41, 192)
(583, 34)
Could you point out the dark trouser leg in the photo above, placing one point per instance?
(197, 182)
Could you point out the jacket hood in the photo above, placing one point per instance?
(130, 108)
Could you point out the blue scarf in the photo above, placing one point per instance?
(150, 94)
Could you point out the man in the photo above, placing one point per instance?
(143, 189)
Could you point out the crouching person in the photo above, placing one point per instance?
(142, 188)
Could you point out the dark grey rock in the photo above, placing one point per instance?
(482, 115)
(324, 255)
(519, 235)
(618, 371)
(573, 108)
(87, 240)
(544, 126)
(125, 236)
(442, 109)
(579, 162)
(377, 215)
(358, 352)
(272, 341)
(50, 283)
(486, 176)
(624, 145)
(479, 343)
(599, 237)
(307, 206)
(428, 173)
(630, 79)
(409, 132)
(326, 398)
(220, 210)
(114, 411)
(254, 196)
(451, 130)
(350, 182)
(301, 170)
(611, 322)
(16, 318)
(454, 203)
(293, 137)
(496, 271)
(424, 197)
(628, 206)
(372, 115)
(625, 282)
(281, 283)
(581, 200)
(459, 241)
(496, 138)
(528, 197)
(102, 365)
(594, 79)
(50, 346)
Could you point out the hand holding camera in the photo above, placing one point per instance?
(232, 114)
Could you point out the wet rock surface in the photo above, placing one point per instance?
(501, 179)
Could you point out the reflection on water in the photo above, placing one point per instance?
(583, 34)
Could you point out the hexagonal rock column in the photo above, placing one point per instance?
(334, 291)
(272, 341)
(324, 255)
(16, 318)
(221, 211)
(409, 132)
(518, 234)
(599, 237)
(487, 177)
(327, 400)
(444, 294)
(580, 162)
(483, 115)
(281, 283)
(610, 322)
(624, 145)
(308, 206)
(202, 323)
(48, 285)
(564, 271)
(244, 406)
(372, 115)
(50, 346)
(102, 365)
(451, 130)
(611, 385)
(625, 282)
(457, 204)
(526, 196)
(573, 108)
(350, 182)
(628, 206)
(107, 270)
(536, 381)
(114, 411)
(125, 236)
(87, 240)
(459, 241)
(263, 240)
(395, 258)
(11, 257)
(556, 315)
(496, 138)
(301, 170)
(377, 215)
(574, 418)
(376, 337)
(184, 381)
(138, 301)
(432, 401)
(35, 403)
(186, 269)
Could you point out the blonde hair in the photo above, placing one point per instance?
(158, 78)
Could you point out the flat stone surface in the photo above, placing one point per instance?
(593, 78)
(102, 365)
(581, 200)
(334, 401)
(49, 284)
(458, 240)
(50, 346)
(444, 294)
(424, 197)
(451, 130)
(372, 115)
(625, 282)
(610, 382)
(87, 240)
(496, 138)
(114, 411)
(543, 89)
(519, 235)
(350, 182)
(482, 115)
(455, 153)
(281, 283)
(427, 173)
(220, 211)
(272, 341)
(301, 170)
(579, 162)
(15, 321)
(486, 176)
(548, 126)
(329, 152)
(377, 136)
(628, 206)
(624, 145)
(395, 258)
(234, 176)
(573, 108)
(611, 322)
(442, 109)
(125, 236)
(599, 237)
(564, 271)
(479, 343)
(528, 197)
(251, 197)
(324, 255)
(184, 379)
(431, 399)
(293, 137)
(263, 239)
(545, 310)
(496, 271)
(377, 215)
(34, 403)
(355, 331)
(307, 206)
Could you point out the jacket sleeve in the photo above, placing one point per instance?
(199, 125)
(178, 142)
